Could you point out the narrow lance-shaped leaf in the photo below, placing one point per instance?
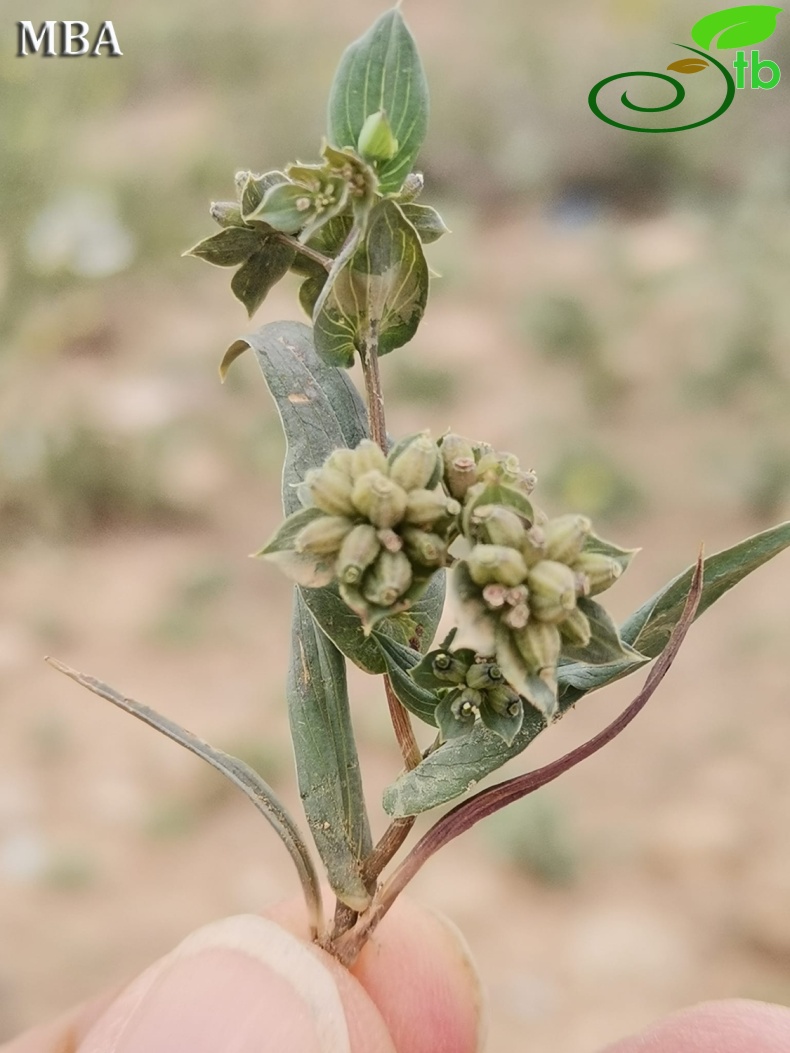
(648, 629)
(382, 72)
(736, 27)
(236, 771)
(326, 758)
(376, 296)
(229, 247)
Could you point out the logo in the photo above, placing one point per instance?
(735, 27)
(73, 40)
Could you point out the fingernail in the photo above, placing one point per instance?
(242, 983)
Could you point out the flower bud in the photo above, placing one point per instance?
(416, 464)
(489, 563)
(501, 525)
(341, 460)
(425, 508)
(460, 468)
(449, 667)
(504, 700)
(576, 630)
(390, 541)
(412, 186)
(359, 550)
(598, 571)
(467, 703)
(376, 141)
(552, 590)
(429, 550)
(565, 537)
(516, 617)
(495, 595)
(323, 536)
(518, 594)
(533, 548)
(368, 456)
(460, 475)
(330, 491)
(226, 213)
(387, 580)
(539, 644)
(484, 675)
(379, 499)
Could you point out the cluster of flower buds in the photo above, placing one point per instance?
(519, 585)
(377, 525)
(310, 195)
(469, 687)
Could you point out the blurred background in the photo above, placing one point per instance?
(612, 306)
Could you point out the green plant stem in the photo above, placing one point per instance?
(306, 251)
(370, 368)
(465, 815)
(237, 772)
(377, 427)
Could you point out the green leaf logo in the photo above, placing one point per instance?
(736, 27)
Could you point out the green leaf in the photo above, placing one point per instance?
(376, 291)
(327, 764)
(578, 678)
(649, 628)
(285, 537)
(605, 646)
(321, 410)
(382, 71)
(234, 770)
(456, 766)
(426, 221)
(400, 660)
(253, 280)
(506, 725)
(229, 247)
(302, 567)
(309, 291)
(286, 207)
(254, 190)
(622, 556)
(736, 27)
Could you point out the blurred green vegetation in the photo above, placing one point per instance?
(534, 836)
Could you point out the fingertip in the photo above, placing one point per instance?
(734, 1026)
(418, 970)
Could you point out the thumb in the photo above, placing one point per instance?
(241, 984)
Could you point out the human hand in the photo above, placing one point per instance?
(252, 983)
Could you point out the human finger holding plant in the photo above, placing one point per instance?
(376, 528)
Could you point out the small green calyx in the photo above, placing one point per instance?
(469, 687)
(376, 141)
